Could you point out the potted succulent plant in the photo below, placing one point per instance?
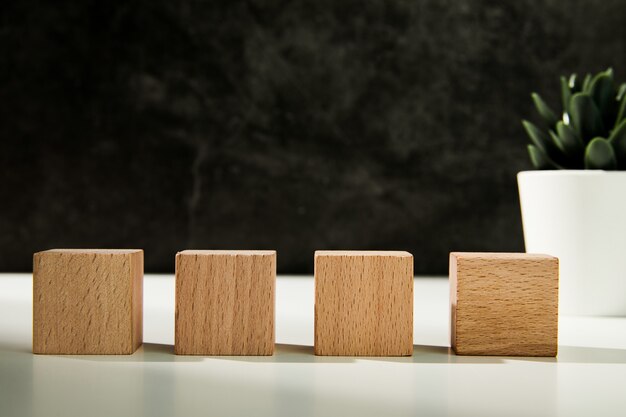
(574, 205)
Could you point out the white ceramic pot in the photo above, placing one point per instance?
(580, 217)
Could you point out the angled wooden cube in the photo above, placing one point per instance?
(363, 303)
(504, 304)
(87, 301)
(225, 302)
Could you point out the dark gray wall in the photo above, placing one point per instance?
(290, 125)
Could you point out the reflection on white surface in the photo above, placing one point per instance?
(588, 378)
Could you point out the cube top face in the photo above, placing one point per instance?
(504, 304)
(228, 252)
(363, 303)
(87, 301)
(502, 256)
(92, 251)
(225, 302)
(401, 254)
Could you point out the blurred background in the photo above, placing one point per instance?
(287, 125)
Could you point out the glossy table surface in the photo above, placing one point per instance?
(587, 379)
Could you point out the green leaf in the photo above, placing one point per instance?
(540, 160)
(566, 93)
(574, 83)
(621, 91)
(602, 90)
(621, 113)
(546, 113)
(569, 142)
(618, 141)
(600, 155)
(586, 83)
(586, 117)
(538, 137)
(568, 163)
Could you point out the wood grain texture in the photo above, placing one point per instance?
(504, 304)
(87, 301)
(363, 303)
(225, 302)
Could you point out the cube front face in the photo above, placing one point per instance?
(504, 304)
(87, 301)
(225, 302)
(363, 303)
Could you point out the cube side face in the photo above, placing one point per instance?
(453, 299)
(82, 303)
(225, 304)
(363, 305)
(506, 307)
(137, 298)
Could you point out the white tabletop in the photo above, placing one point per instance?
(587, 379)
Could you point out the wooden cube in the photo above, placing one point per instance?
(363, 303)
(87, 301)
(504, 304)
(225, 302)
